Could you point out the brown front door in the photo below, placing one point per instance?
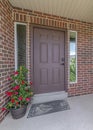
(48, 59)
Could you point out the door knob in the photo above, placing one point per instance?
(62, 64)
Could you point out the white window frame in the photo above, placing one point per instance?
(76, 57)
(16, 44)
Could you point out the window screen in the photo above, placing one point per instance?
(21, 45)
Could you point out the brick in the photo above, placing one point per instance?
(6, 39)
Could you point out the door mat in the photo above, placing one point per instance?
(48, 107)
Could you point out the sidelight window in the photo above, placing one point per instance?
(20, 45)
(73, 56)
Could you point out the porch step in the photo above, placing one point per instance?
(39, 98)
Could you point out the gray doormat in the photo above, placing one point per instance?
(48, 107)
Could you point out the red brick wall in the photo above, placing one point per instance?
(84, 30)
(6, 51)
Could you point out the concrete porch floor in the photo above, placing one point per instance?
(79, 117)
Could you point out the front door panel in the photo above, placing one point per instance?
(48, 60)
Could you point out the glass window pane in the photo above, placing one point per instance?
(73, 57)
(21, 44)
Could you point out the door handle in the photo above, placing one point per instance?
(62, 64)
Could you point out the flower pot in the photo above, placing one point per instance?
(18, 113)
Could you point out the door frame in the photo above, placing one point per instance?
(32, 27)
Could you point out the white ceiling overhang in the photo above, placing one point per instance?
(74, 9)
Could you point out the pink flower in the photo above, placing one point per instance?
(12, 100)
(20, 98)
(8, 78)
(16, 87)
(9, 93)
(27, 99)
(31, 83)
(16, 93)
(3, 109)
(16, 73)
(23, 82)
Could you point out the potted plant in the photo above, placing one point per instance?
(19, 94)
